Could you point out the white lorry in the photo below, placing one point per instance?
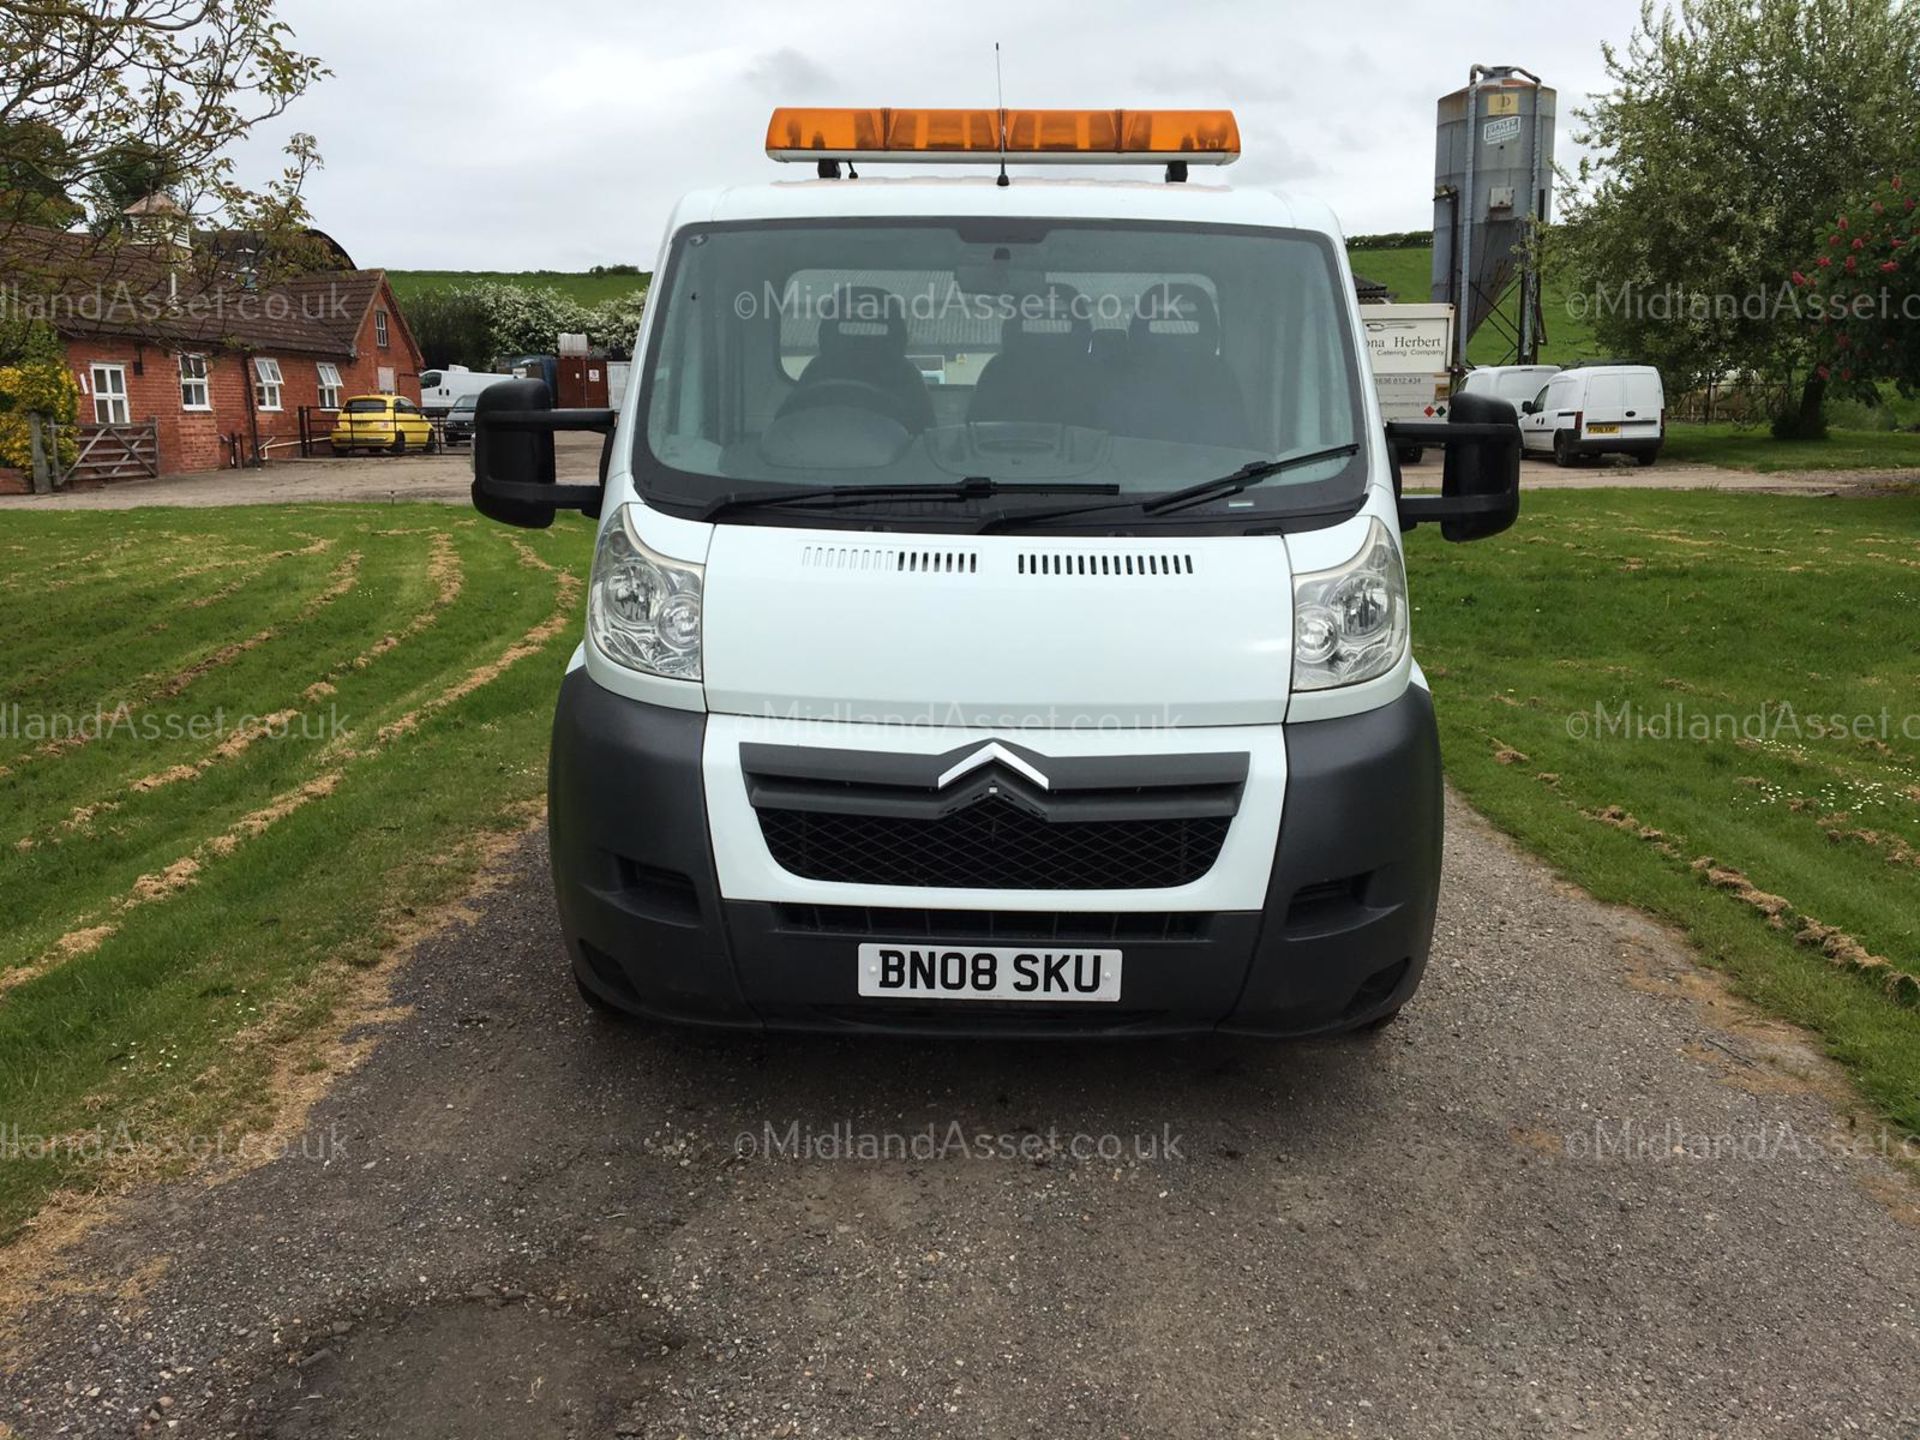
(1074, 694)
(1408, 346)
(440, 389)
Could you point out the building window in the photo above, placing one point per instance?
(266, 383)
(109, 394)
(329, 386)
(380, 328)
(194, 391)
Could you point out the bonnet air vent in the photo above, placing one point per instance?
(1150, 565)
(888, 559)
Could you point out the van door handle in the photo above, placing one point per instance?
(1630, 414)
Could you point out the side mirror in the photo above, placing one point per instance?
(1480, 486)
(513, 467)
(1529, 407)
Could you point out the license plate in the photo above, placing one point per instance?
(978, 972)
(1603, 429)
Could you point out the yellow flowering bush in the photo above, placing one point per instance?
(43, 387)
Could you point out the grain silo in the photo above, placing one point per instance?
(1492, 175)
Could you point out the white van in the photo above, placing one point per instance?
(1072, 694)
(1515, 384)
(1597, 410)
(439, 389)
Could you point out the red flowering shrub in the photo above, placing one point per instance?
(1864, 313)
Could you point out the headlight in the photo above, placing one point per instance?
(643, 610)
(1350, 622)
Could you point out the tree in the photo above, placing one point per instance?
(145, 91)
(33, 168)
(129, 171)
(1733, 130)
(452, 328)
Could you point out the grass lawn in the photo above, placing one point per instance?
(186, 898)
(1709, 706)
(588, 289)
(241, 750)
(1754, 448)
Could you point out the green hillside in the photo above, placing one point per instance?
(1403, 271)
(1408, 274)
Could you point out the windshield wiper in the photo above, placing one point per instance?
(1215, 489)
(974, 487)
(1241, 479)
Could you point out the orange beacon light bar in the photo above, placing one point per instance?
(1054, 137)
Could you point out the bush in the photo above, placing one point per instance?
(37, 387)
(1397, 240)
(473, 325)
(614, 324)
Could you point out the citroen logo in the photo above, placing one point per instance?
(991, 753)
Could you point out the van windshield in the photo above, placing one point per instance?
(895, 353)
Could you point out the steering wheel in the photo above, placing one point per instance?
(855, 395)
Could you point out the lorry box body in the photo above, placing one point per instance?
(1408, 348)
(1071, 694)
(1595, 410)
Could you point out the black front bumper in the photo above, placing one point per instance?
(1343, 937)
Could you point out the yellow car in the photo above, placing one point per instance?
(381, 422)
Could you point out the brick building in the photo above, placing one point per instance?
(221, 367)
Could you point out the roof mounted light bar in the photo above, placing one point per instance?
(1029, 137)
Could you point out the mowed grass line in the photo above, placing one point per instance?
(1637, 683)
(70, 644)
(170, 1029)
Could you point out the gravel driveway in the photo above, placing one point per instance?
(447, 477)
(518, 1220)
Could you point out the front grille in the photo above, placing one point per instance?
(996, 846)
(1040, 927)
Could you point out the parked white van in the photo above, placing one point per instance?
(439, 389)
(1597, 410)
(1072, 694)
(1515, 384)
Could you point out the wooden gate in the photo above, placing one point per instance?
(115, 452)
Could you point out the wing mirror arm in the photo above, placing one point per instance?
(1480, 486)
(514, 423)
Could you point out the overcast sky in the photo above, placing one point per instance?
(499, 134)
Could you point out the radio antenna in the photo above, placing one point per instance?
(1000, 101)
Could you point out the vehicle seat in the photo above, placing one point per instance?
(1044, 370)
(1175, 385)
(867, 345)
